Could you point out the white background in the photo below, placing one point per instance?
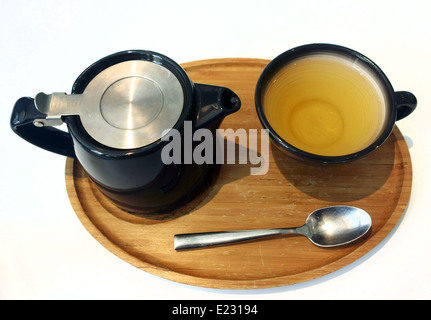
(45, 252)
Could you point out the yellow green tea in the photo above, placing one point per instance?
(326, 104)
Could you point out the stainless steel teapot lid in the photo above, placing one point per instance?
(126, 106)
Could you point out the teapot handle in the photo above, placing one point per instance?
(213, 104)
(26, 123)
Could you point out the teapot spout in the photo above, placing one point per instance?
(214, 103)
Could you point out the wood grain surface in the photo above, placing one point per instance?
(379, 183)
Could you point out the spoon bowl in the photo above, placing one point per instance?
(337, 225)
(325, 227)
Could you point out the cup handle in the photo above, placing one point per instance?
(213, 104)
(25, 123)
(406, 103)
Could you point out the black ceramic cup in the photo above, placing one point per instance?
(311, 93)
(129, 92)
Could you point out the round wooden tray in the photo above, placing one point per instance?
(379, 183)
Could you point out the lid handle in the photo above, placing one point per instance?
(55, 106)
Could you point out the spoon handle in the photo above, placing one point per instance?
(207, 239)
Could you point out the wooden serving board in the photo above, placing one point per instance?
(379, 183)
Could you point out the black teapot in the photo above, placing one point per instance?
(117, 114)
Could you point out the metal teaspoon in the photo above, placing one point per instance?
(325, 227)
